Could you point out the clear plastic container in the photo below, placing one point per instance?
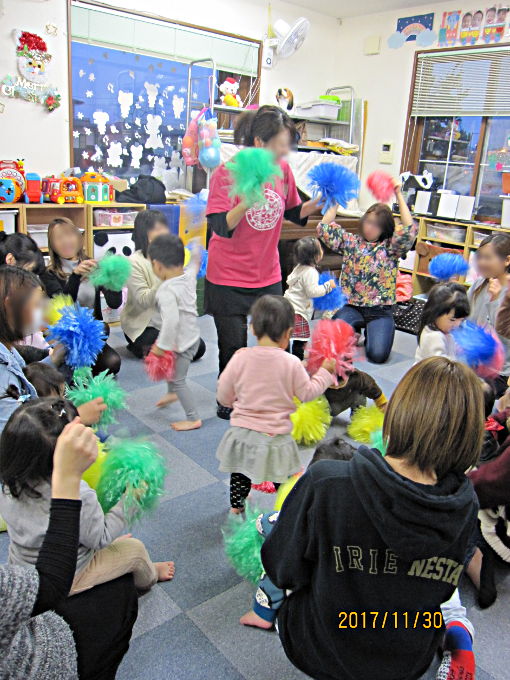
(114, 218)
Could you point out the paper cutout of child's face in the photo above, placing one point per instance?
(502, 12)
(466, 20)
(490, 16)
(477, 19)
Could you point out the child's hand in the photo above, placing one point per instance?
(85, 267)
(157, 351)
(332, 284)
(330, 214)
(397, 186)
(494, 289)
(329, 365)
(90, 412)
(75, 451)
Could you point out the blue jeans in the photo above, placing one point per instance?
(379, 328)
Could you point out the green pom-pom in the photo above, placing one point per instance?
(243, 543)
(377, 442)
(366, 419)
(88, 387)
(112, 272)
(310, 421)
(134, 471)
(251, 169)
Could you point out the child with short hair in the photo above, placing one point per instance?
(176, 301)
(26, 462)
(260, 384)
(353, 391)
(302, 286)
(446, 308)
(358, 541)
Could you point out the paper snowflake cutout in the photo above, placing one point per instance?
(79, 115)
(85, 155)
(81, 73)
(76, 134)
(87, 131)
(92, 77)
(89, 94)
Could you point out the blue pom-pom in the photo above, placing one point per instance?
(335, 183)
(194, 208)
(477, 345)
(443, 267)
(333, 300)
(80, 333)
(203, 265)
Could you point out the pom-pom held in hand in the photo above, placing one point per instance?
(377, 442)
(194, 210)
(81, 334)
(251, 169)
(333, 300)
(112, 272)
(335, 183)
(243, 543)
(284, 490)
(365, 421)
(160, 367)
(310, 421)
(134, 471)
(381, 185)
(55, 306)
(479, 348)
(443, 267)
(88, 387)
(332, 339)
(264, 487)
(92, 475)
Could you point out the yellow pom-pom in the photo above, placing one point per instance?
(284, 490)
(93, 473)
(310, 420)
(187, 256)
(365, 421)
(55, 306)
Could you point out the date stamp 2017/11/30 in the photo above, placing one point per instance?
(396, 619)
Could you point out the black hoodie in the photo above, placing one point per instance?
(358, 537)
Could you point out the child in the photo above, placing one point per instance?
(358, 541)
(446, 307)
(48, 382)
(487, 293)
(353, 391)
(260, 384)
(303, 285)
(369, 270)
(268, 598)
(176, 300)
(26, 460)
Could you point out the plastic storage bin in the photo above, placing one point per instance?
(444, 231)
(320, 109)
(8, 221)
(39, 232)
(114, 218)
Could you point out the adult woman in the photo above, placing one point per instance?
(488, 292)
(357, 542)
(369, 271)
(90, 636)
(68, 273)
(139, 319)
(243, 260)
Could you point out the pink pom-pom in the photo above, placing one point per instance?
(381, 185)
(160, 367)
(334, 339)
(265, 487)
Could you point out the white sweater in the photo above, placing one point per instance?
(434, 343)
(303, 285)
(140, 309)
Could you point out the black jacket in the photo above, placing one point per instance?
(357, 537)
(56, 285)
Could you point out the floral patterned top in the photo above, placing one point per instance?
(369, 270)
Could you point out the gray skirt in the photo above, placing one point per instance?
(258, 456)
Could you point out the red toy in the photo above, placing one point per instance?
(65, 190)
(33, 192)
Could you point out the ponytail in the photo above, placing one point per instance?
(264, 123)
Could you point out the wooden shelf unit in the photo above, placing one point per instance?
(136, 207)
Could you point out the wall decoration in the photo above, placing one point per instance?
(417, 27)
(494, 26)
(471, 27)
(449, 28)
(32, 82)
(129, 112)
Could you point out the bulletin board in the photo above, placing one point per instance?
(129, 110)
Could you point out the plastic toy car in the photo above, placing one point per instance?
(65, 190)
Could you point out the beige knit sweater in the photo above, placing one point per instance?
(140, 309)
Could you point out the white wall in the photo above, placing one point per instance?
(384, 80)
(27, 130)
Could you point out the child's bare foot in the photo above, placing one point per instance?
(185, 425)
(252, 619)
(237, 511)
(169, 398)
(165, 570)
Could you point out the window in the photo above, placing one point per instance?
(459, 124)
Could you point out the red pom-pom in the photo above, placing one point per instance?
(381, 185)
(160, 367)
(493, 368)
(265, 487)
(334, 339)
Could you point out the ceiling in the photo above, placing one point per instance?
(347, 8)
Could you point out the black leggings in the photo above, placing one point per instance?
(232, 335)
(107, 360)
(143, 343)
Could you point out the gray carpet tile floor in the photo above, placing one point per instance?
(188, 628)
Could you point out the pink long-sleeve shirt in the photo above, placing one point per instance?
(259, 383)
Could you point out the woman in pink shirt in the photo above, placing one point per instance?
(260, 384)
(243, 250)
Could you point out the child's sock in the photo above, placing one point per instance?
(458, 659)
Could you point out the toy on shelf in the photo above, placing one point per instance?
(285, 98)
(97, 188)
(209, 143)
(45, 186)
(65, 190)
(10, 190)
(229, 96)
(15, 172)
(33, 192)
